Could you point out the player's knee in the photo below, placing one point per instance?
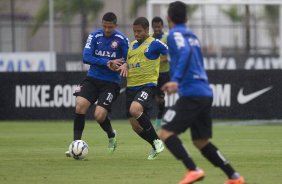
(134, 111)
(81, 105)
(80, 108)
(100, 115)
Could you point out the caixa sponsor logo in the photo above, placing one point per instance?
(44, 96)
(106, 53)
(221, 96)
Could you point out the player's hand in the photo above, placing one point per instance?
(170, 87)
(114, 64)
(123, 69)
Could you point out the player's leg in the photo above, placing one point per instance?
(108, 94)
(178, 118)
(85, 96)
(136, 127)
(81, 108)
(101, 116)
(136, 110)
(201, 131)
(139, 110)
(161, 107)
(160, 99)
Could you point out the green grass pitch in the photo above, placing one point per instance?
(33, 152)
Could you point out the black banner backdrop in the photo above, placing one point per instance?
(240, 94)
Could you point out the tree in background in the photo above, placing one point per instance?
(234, 16)
(272, 19)
(66, 11)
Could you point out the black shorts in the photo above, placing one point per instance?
(190, 112)
(163, 78)
(93, 89)
(145, 96)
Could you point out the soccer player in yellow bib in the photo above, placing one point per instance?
(158, 33)
(143, 61)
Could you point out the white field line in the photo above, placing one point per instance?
(247, 122)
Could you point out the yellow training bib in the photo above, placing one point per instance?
(141, 70)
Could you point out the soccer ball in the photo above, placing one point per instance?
(78, 149)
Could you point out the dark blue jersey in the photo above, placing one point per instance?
(99, 49)
(186, 62)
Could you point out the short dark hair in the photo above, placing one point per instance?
(177, 12)
(110, 17)
(157, 19)
(141, 21)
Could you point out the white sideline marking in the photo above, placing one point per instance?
(248, 122)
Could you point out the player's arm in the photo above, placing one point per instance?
(123, 69)
(88, 57)
(163, 57)
(178, 41)
(161, 48)
(155, 49)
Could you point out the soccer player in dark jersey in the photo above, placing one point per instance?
(104, 50)
(158, 33)
(143, 61)
(193, 108)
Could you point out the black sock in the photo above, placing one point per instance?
(143, 135)
(161, 109)
(174, 145)
(78, 126)
(216, 158)
(107, 127)
(146, 124)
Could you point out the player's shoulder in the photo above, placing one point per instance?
(97, 33)
(157, 42)
(178, 32)
(120, 35)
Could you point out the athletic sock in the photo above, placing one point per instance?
(146, 124)
(217, 159)
(175, 146)
(78, 126)
(107, 127)
(143, 135)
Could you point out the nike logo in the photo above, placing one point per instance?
(131, 56)
(105, 103)
(243, 99)
(140, 99)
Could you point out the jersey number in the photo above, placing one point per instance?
(109, 97)
(144, 95)
(169, 115)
